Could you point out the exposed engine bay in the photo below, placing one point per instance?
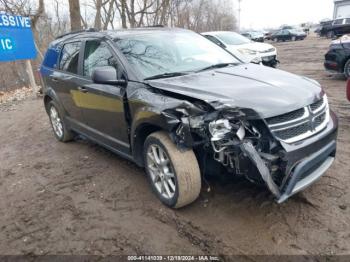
(226, 135)
(238, 142)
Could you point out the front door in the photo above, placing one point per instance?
(103, 105)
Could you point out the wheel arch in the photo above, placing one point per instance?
(139, 137)
(345, 60)
(50, 95)
(47, 100)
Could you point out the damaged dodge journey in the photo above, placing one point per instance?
(183, 108)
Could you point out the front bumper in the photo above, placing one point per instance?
(332, 66)
(309, 160)
(309, 171)
(305, 161)
(269, 59)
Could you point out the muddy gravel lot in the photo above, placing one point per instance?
(78, 198)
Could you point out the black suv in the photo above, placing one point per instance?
(183, 108)
(337, 58)
(339, 27)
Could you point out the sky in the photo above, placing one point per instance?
(257, 14)
(261, 14)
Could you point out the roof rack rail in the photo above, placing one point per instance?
(77, 32)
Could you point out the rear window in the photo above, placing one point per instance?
(70, 57)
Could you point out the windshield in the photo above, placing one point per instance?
(168, 52)
(232, 38)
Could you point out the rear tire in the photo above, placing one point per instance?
(174, 175)
(347, 69)
(59, 127)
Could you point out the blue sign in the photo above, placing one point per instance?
(16, 38)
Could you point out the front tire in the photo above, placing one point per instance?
(59, 127)
(174, 175)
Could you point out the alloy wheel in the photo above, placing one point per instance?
(161, 171)
(56, 122)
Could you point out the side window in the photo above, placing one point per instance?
(70, 57)
(97, 54)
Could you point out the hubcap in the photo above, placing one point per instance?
(56, 122)
(161, 171)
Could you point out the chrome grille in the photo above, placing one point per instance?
(320, 119)
(293, 131)
(315, 106)
(302, 123)
(286, 117)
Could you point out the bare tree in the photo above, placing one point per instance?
(25, 8)
(75, 17)
(197, 15)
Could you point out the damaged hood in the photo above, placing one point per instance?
(269, 92)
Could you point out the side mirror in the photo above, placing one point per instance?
(107, 75)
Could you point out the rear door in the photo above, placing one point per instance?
(103, 105)
(66, 80)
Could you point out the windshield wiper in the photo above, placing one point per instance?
(166, 75)
(221, 65)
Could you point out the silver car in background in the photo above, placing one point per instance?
(236, 43)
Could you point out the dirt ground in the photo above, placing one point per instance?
(78, 198)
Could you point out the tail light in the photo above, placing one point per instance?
(348, 89)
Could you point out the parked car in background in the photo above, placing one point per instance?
(183, 108)
(287, 27)
(234, 42)
(289, 35)
(324, 27)
(338, 28)
(337, 59)
(254, 36)
(268, 35)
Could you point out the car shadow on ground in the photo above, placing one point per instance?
(216, 190)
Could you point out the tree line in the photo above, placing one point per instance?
(51, 18)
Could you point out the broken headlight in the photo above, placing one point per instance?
(226, 137)
(222, 128)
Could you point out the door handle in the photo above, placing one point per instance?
(82, 89)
